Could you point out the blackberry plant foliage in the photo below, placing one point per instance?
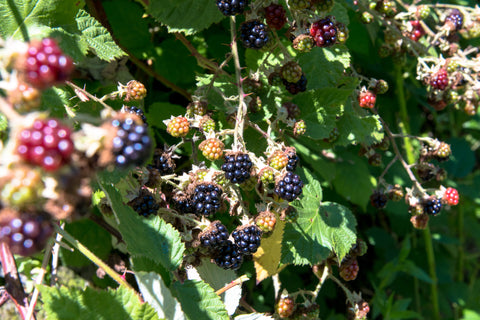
(181, 148)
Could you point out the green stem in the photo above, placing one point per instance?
(92, 257)
(461, 239)
(405, 129)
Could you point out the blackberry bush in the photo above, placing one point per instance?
(237, 167)
(229, 256)
(215, 236)
(254, 34)
(206, 199)
(289, 187)
(247, 238)
(145, 204)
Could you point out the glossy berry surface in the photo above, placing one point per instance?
(278, 160)
(46, 65)
(366, 99)
(182, 203)
(267, 175)
(212, 148)
(451, 196)
(417, 30)
(293, 111)
(135, 91)
(254, 34)
(378, 200)
(285, 307)
(206, 199)
(132, 144)
(432, 206)
(216, 235)
(145, 204)
(228, 256)
(299, 128)
(178, 127)
(443, 152)
(237, 167)
(349, 270)
(296, 87)
(439, 80)
(275, 16)
(47, 143)
(25, 233)
(231, 7)
(163, 162)
(455, 18)
(136, 111)
(324, 32)
(289, 187)
(293, 161)
(266, 221)
(247, 239)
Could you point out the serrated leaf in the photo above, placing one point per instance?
(199, 301)
(159, 111)
(217, 278)
(267, 258)
(64, 304)
(224, 86)
(98, 37)
(18, 16)
(158, 295)
(152, 238)
(188, 16)
(320, 229)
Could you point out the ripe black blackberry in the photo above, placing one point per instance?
(247, 238)
(324, 32)
(163, 162)
(455, 18)
(432, 206)
(296, 87)
(378, 199)
(228, 256)
(289, 187)
(145, 204)
(206, 199)
(136, 111)
(216, 235)
(293, 161)
(231, 7)
(182, 203)
(24, 233)
(132, 143)
(237, 167)
(254, 34)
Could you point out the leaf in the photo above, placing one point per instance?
(320, 229)
(199, 301)
(254, 316)
(19, 16)
(188, 16)
(358, 128)
(64, 304)
(159, 111)
(218, 278)
(152, 238)
(267, 257)
(158, 295)
(98, 37)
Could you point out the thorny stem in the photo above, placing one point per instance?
(380, 178)
(92, 257)
(348, 293)
(88, 94)
(242, 107)
(321, 277)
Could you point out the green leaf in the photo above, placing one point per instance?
(158, 295)
(470, 315)
(152, 238)
(159, 111)
(254, 316)
(199, 301)
(65, 304)
(321, 228)
(97, 37)
(19, 16)
(188, 16)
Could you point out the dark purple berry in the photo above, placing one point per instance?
(289, 187)
(228, 256)
(293, 160)
(206, 199)
(136, 111)
(237, 167)
(455, 18)
(231, 7)
(215, 236)
(163, 162)
(296, 87)
(254, 34)
(439, 80)
(247, 238)
(432, 206)
(378, 199)
(145, 204)
(275, 16)
(324, 32)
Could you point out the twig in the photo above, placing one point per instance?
(232, 284)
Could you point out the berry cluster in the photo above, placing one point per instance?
(378, 199)
(231, 7)
(45, 64)
(162, 161)
(432, 206)
(278, 160)
(266, 221)
(206, 199)
(451, 196)
(275, 16)
(145, 204)
(212, 148)
(289, 187)
(216, 235)
(135, 91)
(324, 32)
(285, 307)
(136, 111)
(237, 167)
(349, 269)
(366, 99)
(178, 127)
(47, 143)
(454, 20)
(254, 34)
(247, 238)
(296, 87)
(293, 161)
(229, 256)
(439, 80)
(291, 72)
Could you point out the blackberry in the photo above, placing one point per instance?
(451, 196)
(299, 128)
(237, 167)
(303, 43)
(443, 152)
(275, 16)
(323, 5)
(293, 111)
(131, 144)
(46, 143)
(182, 203)
(207, 124)
(296, 87)
(417, 30)
(324, 32)
(454, 19)
(231, 7)
(285, 306)
(254, 34)
(349, 270)
(247, 238)
(266, 221)
(432, 206)
(206, 199)
(163, 162)
(197, 108)
(378, 199)
(228, 256)
(145, 204)
(289, 187)
(24, 233)
(136, 111)
(278, 160)
(293, 160)
(366, 99)
(135, 91)
(291, 72)
(439, 80)
(212, 148)
(24, 97)
(216, 235)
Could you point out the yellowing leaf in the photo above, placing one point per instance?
(267, 257)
